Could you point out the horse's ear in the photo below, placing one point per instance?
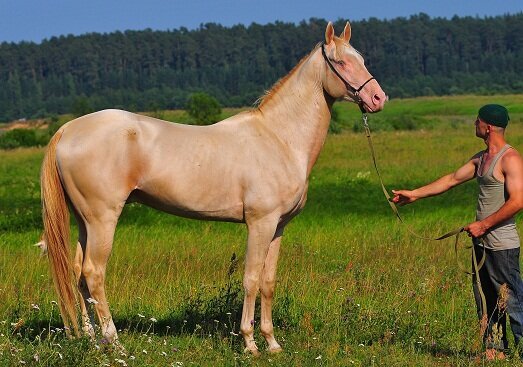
(345, 36)
(329, 33)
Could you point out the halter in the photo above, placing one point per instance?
(350, 88)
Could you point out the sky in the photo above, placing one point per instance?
(36, 20)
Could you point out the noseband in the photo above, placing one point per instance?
(354, 91)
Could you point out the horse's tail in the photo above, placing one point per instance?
(55, 215)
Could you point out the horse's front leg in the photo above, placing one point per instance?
(261, 233)
(268, 282)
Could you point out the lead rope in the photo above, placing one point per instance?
(455, 232)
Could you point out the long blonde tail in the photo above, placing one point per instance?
(55, 215)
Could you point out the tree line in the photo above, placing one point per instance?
(153, 70)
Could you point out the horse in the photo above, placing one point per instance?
(251, 168)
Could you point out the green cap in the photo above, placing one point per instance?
(494, 114)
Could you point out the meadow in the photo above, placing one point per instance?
(354, 287)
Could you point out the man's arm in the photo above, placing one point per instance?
(512, 167)
(445, 183)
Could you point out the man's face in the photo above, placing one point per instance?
(481, 128)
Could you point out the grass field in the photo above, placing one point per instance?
(354, 287)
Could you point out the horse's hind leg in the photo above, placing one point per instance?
(100, 233)
(268, 282)
(87, 316)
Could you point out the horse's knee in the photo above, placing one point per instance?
(250, 285)
(267, 287)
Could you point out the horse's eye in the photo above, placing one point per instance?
(341, 63)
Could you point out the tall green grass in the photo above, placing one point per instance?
(354, 287)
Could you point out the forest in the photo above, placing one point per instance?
(152, 70)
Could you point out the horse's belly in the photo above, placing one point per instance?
(226, 212)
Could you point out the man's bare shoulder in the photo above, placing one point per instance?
(512, 154)
(512, 160)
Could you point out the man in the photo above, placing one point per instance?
(499, 172)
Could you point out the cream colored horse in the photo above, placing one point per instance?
(251, 168)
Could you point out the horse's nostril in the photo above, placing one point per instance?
(376, 98)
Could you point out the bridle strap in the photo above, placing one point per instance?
(364, 84)
(350, 88)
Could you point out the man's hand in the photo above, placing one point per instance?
(476, 229)
(402, 197)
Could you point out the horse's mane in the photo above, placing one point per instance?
(267, 96)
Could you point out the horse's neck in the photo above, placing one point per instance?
(299, 111)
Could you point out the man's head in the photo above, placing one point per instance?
(494, 114)
(491, 117)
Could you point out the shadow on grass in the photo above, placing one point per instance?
(217, 313)
(446, 352)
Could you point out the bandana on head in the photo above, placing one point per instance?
(494, 114)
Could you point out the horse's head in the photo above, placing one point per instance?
(346, 75)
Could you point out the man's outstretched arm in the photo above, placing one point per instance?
(445, 183)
